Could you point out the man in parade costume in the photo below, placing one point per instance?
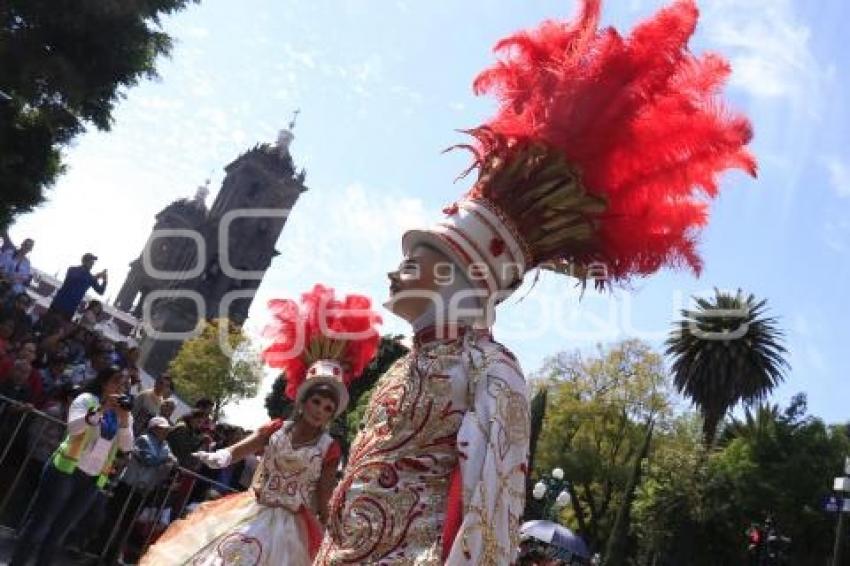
(601, 159)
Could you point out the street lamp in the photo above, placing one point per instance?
(5, 97)
(842, 486)
(539, 491)
(546, 488)
(563, 499)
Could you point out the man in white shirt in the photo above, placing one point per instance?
(16, 265)
(147, 403)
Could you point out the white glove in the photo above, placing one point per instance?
(215, 460)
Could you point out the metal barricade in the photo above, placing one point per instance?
(135, 519)
(150, 511)
(18, 447)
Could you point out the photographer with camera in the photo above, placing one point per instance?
(78, 280)
(99, 424)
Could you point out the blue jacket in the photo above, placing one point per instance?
(78, 280)
(146, 468)
(152, 451)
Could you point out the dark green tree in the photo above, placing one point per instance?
(617, 549)
(772, 461)
(278, 405)
(725, 352)
(595, 428)
(65, 64)
(202, 369)
(537, 412)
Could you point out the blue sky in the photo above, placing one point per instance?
(382, 88)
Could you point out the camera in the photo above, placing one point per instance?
(125, 402)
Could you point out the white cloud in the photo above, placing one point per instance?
(407, 94)
(302, 57)
(200, 84)
(346, 237)
(836, 235)
(159, 103)
(767, 44)
(197, 32)
(839, 175)
(808, 339)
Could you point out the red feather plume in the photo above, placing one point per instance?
(641, 120)
(321, 327)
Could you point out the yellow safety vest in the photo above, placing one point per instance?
(68, 454)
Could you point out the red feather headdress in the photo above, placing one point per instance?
(605, 150)
(321, 329)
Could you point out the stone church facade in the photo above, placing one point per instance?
(203, 263)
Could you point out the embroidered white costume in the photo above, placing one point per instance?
(447, 408)
(269, 525)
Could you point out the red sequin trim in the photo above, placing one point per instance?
(497, 246)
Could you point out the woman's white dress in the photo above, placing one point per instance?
(271, 524)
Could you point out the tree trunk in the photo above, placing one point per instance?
(537, 410)
(615, 550)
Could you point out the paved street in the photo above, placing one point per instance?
(7, 541)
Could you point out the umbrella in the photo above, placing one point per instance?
(555, 535)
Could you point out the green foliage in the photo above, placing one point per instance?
(202, 368)
(617, 547)
(537, 412)
(724, 352)
(690, 501)
(594, 428)
(65, 63)
(695, 507)
(668, 508)
(277, 404)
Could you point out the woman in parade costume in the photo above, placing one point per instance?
(598, 164)
(321, 345)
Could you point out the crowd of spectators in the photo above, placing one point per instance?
(47, 359)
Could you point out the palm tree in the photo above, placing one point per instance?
(767, 420)
(758, 423)
(724, 352)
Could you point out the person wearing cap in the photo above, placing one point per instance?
(275, 522)
(149, 464)
(78, 280)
